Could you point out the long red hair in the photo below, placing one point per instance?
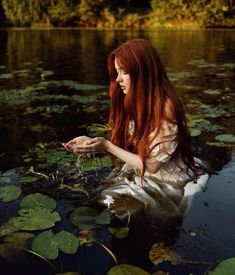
(150, 99)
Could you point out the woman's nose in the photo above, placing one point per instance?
(118, 79)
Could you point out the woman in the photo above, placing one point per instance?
(148, 133)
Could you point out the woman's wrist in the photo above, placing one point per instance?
(107, 145)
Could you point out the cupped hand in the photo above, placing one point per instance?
(84, 144)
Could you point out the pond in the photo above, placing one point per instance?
(53, 87)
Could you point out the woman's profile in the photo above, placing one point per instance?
(148, 133)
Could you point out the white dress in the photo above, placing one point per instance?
(166, 193)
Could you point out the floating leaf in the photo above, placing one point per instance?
(226, 267)
(66, 242)
(225, 138)
(212, 92)
(120, 232)
(37, 200)
(194, 132)
(4, 179)
(28, 179)
(6, 76)
(86, 217)
(125, 269)
(47, 244)
(9, 192)
(35, 219)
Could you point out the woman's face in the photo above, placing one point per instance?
(123, 78)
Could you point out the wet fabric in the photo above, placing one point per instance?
(163, 194)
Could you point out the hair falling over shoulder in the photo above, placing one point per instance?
(150, 100)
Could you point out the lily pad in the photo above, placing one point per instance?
(120, 232)
(35, 219)
(9, 192)
(37, 200)
(227, 267)
(225, 138)
(212, 92)
(47, 244)
(125, 269)
(28, 179)
(86, 217)
(67, 242)
(6, 76)
(194, 132)
(4, 179)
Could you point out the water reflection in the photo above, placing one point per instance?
(37, 104)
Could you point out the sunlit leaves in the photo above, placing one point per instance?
(48, 245)
(9, 193)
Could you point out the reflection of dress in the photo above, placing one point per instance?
(160, 194)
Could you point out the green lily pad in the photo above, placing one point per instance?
(86, 217)
(9, 192)
(125, 269)
(227, 267)
(194, 132)
(67, 242)
(35, 219)
(28, 179)
(120, 232)
(225, 138)
(47, 244)
(37, 200)
(212, 92)
(4, 179)
(6, 76)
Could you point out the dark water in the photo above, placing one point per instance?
(43, 71)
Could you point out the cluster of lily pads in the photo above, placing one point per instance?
(33, 230)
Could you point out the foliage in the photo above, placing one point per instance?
(47, 244)
(9, 193)
(87, 218)
(227, 267)
(113, 14)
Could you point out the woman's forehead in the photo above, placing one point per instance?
(118, 64)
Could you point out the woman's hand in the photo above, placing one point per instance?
(84, 144)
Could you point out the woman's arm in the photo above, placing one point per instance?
(85, 144)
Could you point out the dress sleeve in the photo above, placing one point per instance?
(164, 144)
